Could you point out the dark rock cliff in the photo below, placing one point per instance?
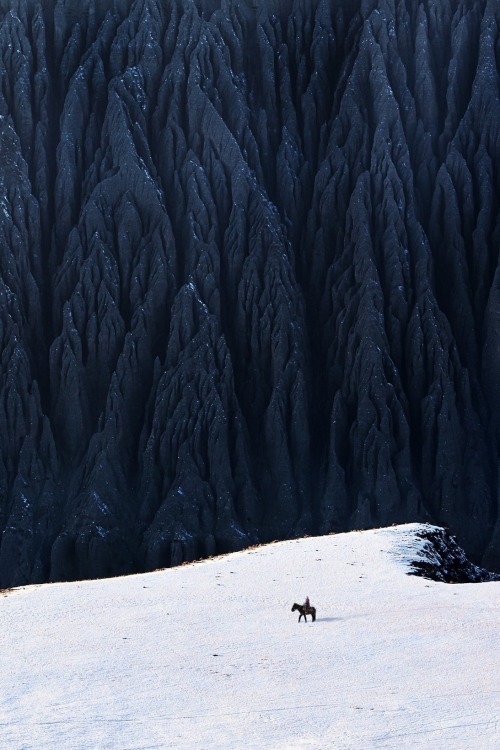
(249, 276)
(441, 559)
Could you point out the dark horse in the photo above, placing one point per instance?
(304, 611)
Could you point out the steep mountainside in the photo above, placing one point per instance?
(249, 276)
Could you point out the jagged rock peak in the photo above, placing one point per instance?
(249, 276)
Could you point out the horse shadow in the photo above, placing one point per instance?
(340, 619)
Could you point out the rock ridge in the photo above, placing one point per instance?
(249, 277)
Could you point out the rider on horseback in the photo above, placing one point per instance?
(305, 609)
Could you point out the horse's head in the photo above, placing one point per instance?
(295, 606)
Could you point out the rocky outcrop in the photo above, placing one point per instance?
(442, 559)
(248, 276)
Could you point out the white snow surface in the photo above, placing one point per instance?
(209, 656)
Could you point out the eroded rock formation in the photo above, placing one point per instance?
(249, 276)
(441, 559)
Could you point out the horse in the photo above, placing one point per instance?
(304, 611)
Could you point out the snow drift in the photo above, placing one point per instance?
(209, 655)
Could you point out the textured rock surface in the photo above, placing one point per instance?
(249, 276)
(441, 559)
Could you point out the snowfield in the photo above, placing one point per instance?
(209, 656)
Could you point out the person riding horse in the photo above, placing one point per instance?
(305, 609)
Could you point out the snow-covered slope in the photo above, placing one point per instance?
(209, 655)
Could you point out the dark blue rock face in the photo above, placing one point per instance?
(249, 279)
